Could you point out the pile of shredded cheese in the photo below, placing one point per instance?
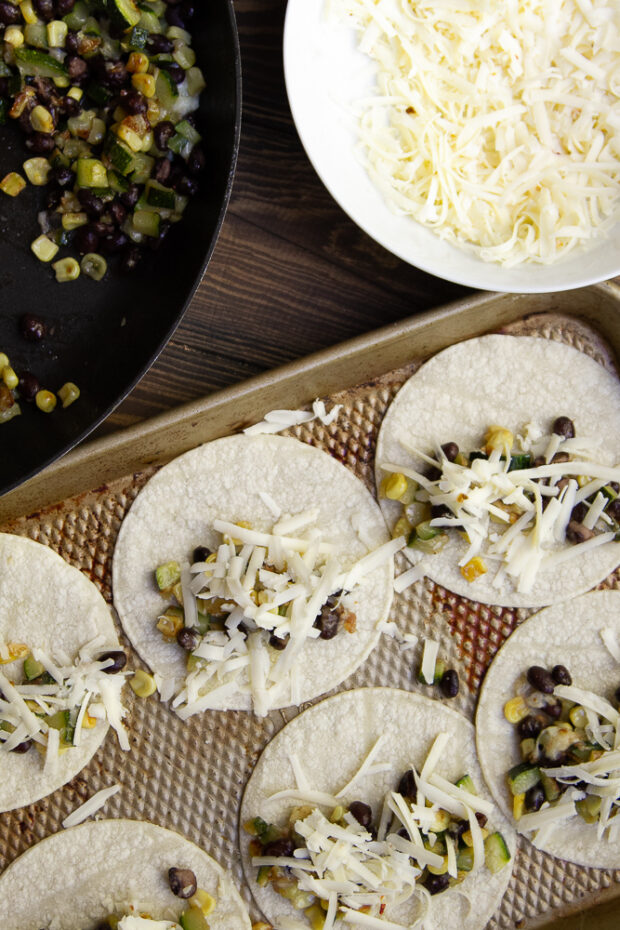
(496, 124)
(350, 869)
(83, 686)
(297, 574)
(601, 776)
(501, 512)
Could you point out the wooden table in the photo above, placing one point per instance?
(291, 273)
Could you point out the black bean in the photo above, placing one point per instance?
(281, 847)
(450, 450)
(40, 143)
(24, 122)
(162, 169)
(433, 474)
(565, 427)
(10, 15)
(130, 197)
(187, 186)
(175, 18)
(76, 67)
(182, 882)
(53, 198)
(162, 134)
(114, 242)
(63, 7)
(32, 328)
(86, 240)
(69, 107)
(175, 71)
(327, 622)
(449, 683)
(534, 798)
(118, 212)
(93, 205)
(154, 242)
(553, 710)
(561, 675)
(187, 638)
(457, 828)
(362, 813)
(63, 176)
(440, 510)
(407, 786)
(436, 883)
(540, 679)
(131, 259)
(72, 43)
(196, 162)
(201, 554)
(44, 8)
(482, 820)
(579, 512)
(21, 748)
(577, 532)
(28, 385)
(119, 661)
(278, 642)
(158, 44)
(529, 727)
(115, 75)
(134, 102)
(613, 509)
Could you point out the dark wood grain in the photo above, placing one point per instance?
(291, 274)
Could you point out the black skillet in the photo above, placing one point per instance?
(105, 335)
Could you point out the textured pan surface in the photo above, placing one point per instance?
(190, 777)
(104, 336)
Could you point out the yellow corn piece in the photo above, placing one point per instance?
(12, 184)
(582, 480)
(144, 83)
(518, 803)
(10, 378)
(402, 527)
(76, 93)
(125, 134)
(14, 36)
(578, 716)
(67, 269)
(203, 901)
(41, 120)
(515, 709)
(15, 651)
(473, 569)
(88, 722)
(37, 171)
(45, 401)
(468, 840)
(142, 684)
(169, 625)
(28, 12)
(316, 916)
(4, 361)
(261, 925)
(337, 814)
(497, 437)
(68, 393)
(137, 63)
(394, 486)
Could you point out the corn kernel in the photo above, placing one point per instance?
(144, 83)
(133, 140)
(137, 63)
(203, 901)
(518, 803)
(316, 916)
(76, 93)
(169, 625)
(15, 651)
(153, 113)
(4, 361)
(61, 81)
(185, 56)
(88, 722)
(41, 120)
(45, 401)
(57, 33)
(37, 171)
(582, 480)
(68, 393)
(142, 684)
(44, 248)
(402, 527)
(73, 220)
(515, 709)
(28, 12)
(14, 36)
(337, 814)
(578, 716)
(469, 840)
(12, 184)
(67, 269)
(473, 569)
(261, 925)
(394, 486)
(498, 438)
(10, 378)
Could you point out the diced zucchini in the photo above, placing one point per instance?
(91, 173)
(117, 182)
(167, 575)
(32, 668)
(185, 128)
(146, 223)
(120, 155)
(141, 168)
(159, 196)
(77, 17)
(180, 145)
(35, 62)
(35, 35)
(262, 877)
(466, 783)
(203, 622)
(193, 919)
(440, 667)
(496, 853)
(149, 22)
(98, 93)
(522, 777)
(166, 90)
(123, 13)
(518, 462)
(589, 808)
(550, 786)
(137, 39)
(465, 859)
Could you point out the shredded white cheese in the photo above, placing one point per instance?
(277, 420)
(497, 125)
(90, 807)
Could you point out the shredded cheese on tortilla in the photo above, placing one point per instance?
(497, 125)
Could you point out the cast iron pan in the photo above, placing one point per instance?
(105, 335)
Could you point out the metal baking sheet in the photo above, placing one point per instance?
(190, 776)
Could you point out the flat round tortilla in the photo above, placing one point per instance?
(47, 604)
(569, 635)
(174, 513)
(83, 875)
(331, 740)
(509, 381)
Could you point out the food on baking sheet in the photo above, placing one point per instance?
(392, 825)
(121, 875)
(490, 128)
(500, 461)
(252, 572)
(61, 672)
(548, 729)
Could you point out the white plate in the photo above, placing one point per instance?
(324, 74)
